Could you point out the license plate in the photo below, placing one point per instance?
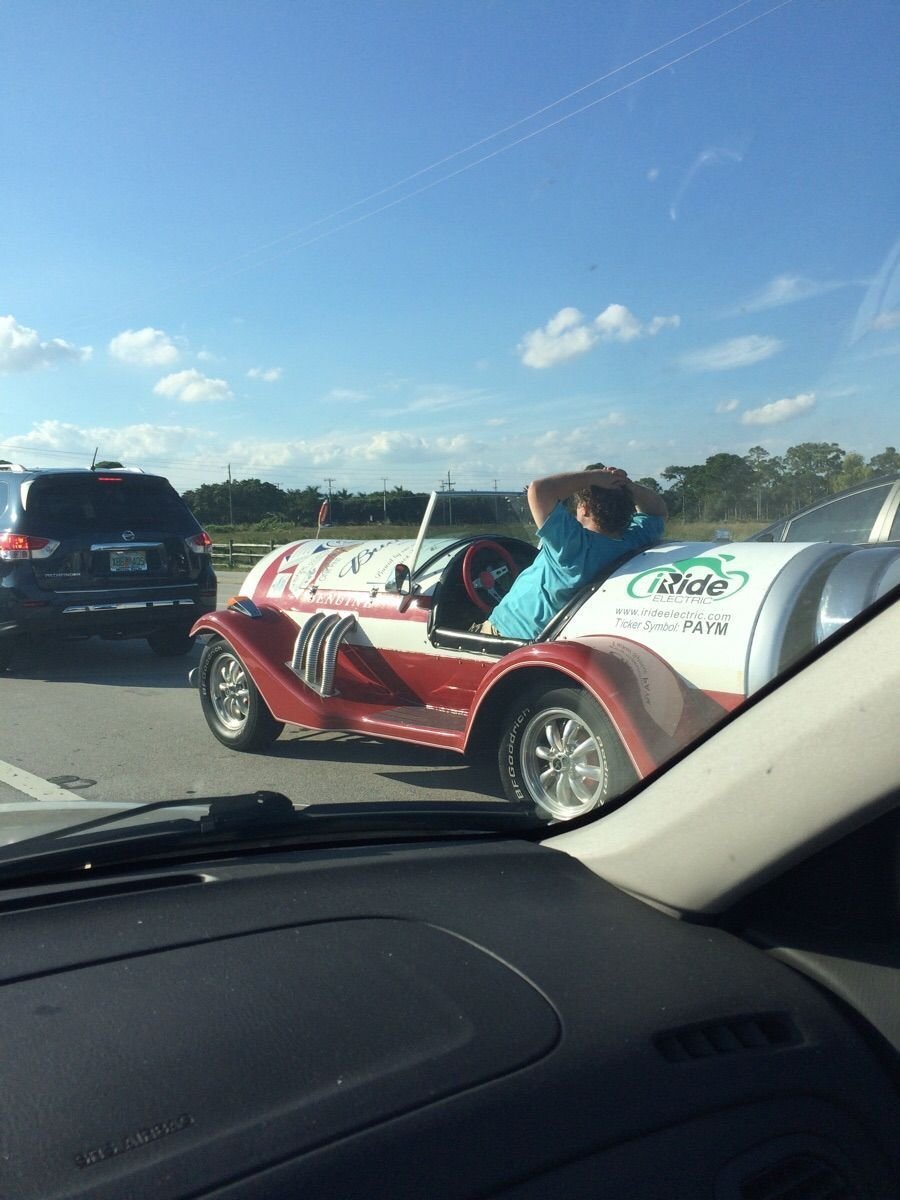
(128, 560)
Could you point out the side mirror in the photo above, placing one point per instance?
(404, 585)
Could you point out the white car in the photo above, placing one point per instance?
(374, 637)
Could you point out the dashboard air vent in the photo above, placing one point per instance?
(764, 1031)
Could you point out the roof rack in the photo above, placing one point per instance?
(8, 466)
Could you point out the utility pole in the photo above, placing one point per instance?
(450, 483)
(384, 495)
(230, 504)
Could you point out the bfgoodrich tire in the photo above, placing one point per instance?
(231, 703)
(558, 750)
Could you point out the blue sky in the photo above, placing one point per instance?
(388, 240)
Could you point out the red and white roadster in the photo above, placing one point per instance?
(373, 637)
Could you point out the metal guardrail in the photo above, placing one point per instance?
(240, 554)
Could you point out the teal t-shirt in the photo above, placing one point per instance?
(570, 556)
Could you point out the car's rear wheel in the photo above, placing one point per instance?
(559, 751)
(170, 643)
(234, 710)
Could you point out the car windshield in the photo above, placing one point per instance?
(433, 405)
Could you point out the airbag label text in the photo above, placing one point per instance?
(134, 1140)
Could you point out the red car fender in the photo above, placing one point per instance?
(654, 712)
(264, 644)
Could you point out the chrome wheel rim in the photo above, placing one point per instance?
(563, 763)
(229, 692)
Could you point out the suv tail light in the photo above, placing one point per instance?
(23, 545)
(200, 543)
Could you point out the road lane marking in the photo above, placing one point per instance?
(41, 789)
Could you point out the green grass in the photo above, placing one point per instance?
(261, 538)
(698, 531)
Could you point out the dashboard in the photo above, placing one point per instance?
(441, 1019)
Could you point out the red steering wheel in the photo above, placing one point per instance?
(482, 584)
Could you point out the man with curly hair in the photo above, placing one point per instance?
(613, 515)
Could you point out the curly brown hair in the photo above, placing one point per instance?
(611, 508)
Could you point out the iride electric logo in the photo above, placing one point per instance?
(706, 576)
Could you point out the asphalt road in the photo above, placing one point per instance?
(110, 722)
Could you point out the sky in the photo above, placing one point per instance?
(380, 243)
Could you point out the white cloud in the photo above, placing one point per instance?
(617, 324)
(653, 174)
(266, 374)
(349, 454)
(842, 393)
(408, 454)
(568, 335)
(440, 397)
(577, 442)
(788, 289)
(563, 337)
(193, 387)
(206, 356)
(131, 444)
(887, 320)
(780, 410)
(399, 448)
(737, 352)
(727, 406)
(22, 350)
(653, 327)
(345, 396)
(435, 398)
(144, 348)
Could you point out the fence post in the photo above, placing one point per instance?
(230, 553)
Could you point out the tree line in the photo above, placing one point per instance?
(756, 486)
(761, 486)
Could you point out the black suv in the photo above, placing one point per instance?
(114, 553)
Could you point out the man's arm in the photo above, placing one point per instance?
(647, 501)
(544, 494)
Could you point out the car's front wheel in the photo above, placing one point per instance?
(559, 750)
(234, 710)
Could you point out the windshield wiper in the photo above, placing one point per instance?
(223, 812)
(250, 821)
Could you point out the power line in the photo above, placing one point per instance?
(484, 140)
(503, 149)
(216, 271)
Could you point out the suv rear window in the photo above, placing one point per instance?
(4, 496)
(79, 504)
